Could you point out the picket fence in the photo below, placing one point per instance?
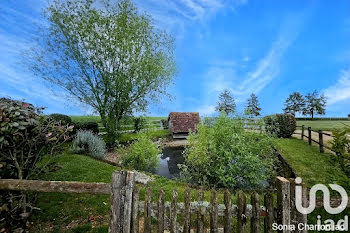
(130, 213)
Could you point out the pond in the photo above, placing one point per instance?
(169, 159)
(171, 156)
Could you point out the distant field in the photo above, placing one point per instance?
(324, 125)
(98, 118)
(86, 118)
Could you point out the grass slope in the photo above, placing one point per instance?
(313, 166)
(324, 125)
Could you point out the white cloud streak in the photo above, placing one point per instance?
(220, 77)
(340, 91)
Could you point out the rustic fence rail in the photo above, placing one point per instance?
(131, 213)
(307, 133)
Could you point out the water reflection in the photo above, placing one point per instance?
(169, 159)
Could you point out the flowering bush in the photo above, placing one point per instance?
(25, 137)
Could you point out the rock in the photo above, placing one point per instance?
(142, 178)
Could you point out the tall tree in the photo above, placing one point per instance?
(226, 103)
(105, 54)
(315, 104)
(252, 109)
(294, 103)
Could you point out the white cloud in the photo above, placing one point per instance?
(206, 110)
(339, 91)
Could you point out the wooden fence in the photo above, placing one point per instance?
(320, 141)
(127, 207)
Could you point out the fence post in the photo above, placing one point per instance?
(320, 138)
(268, 221)
(310, 135)
(241, 212)
(302, 132)
(121, 201)
(283, 203)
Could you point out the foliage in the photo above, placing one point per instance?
(25, 137)
(143, 155)
(294, 103)
(86, 125)
(90, 144)
(280, 125)
(105, 54)
(341, 145)
(252, 109)
(314, 104)
(60, 117)
(226, 103)
(139, 123)
(228, 156)
(165, 123)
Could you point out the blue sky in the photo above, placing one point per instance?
(270, 47)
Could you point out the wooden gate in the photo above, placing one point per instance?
(251, 212)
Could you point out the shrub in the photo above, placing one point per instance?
(280, 125)
(139, 123)
(25, 137)
(60, 117)
(341, 145)
(88, 143)
(226, 156)
(165, 123)
(143, 155)
(86, 125)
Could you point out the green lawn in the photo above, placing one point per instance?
(61, 212)
(324, 125)
(154, 134)
(71, 212)
(86, 118)
(313, 166)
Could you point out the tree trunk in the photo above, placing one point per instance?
(312, 115)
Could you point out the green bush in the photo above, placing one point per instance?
(60, 117)
(88, 143)
(139, 123)
(280, 125)
(86, 125)
(143, 155)
(25, 137)
(165, 123)
(341, 145)
(226, 156)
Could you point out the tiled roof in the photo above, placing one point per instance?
(182, 122)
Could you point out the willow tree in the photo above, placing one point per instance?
(106, 54)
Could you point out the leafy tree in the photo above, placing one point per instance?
(294, 103)
(315, 104)
(109, 57)
(226, 103)
(252, 109)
